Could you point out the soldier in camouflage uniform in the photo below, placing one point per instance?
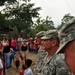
(67, 37)
(41, 53)
(54, 64)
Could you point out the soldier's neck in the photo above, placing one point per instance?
(52, 51)
(70, 59)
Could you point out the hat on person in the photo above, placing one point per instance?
(40, 34)
(50, 34)
(66, 34)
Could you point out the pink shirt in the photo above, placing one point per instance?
(13, 43)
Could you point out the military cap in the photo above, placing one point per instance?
(40, 34)
(66, 34)
(50, 34)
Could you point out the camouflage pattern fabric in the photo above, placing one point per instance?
(66, 34)
(40, 34)
(50, 34)
(40, 60)
(55, 65)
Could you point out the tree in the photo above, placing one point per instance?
(4, 24)
(21, 15)
(43, 24)
(66, 18)
(3, 1)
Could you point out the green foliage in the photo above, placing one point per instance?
(20, 15)
(43, 24)
(66, 18)
(3, 1)
(20, 18)
(3, 21)
(4, 24)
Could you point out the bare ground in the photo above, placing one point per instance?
(14, 71)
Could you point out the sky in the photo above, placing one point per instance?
(55, 9)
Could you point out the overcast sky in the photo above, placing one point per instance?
(55, 9)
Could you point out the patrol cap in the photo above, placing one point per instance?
(50, 34)
(66, 34)
(40, 34)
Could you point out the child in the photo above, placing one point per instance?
(22, 56)
(27, 66)
(22, 71)
(17, 62)
(12, 55)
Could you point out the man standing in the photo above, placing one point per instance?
(19, 41)
(54, 64)
(38, 38)
(41, 53)
(67, 37)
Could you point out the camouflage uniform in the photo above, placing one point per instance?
(66, 34)
(41, 55)
(40, 60)
(55, 65)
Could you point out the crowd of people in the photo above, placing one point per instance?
(55, 48)
(10, 48)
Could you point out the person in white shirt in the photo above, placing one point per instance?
(27, 66)
(19, 41)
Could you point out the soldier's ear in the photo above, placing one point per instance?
(54, 42)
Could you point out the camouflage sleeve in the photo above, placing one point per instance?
(55, 65)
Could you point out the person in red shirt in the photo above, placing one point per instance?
(13, 43)
(35, 46)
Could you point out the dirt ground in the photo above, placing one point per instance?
(14, 71)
